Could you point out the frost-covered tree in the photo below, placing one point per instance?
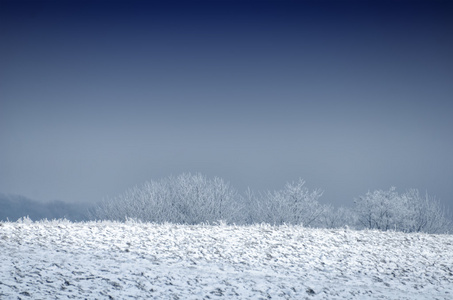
(378, 209)
(428, 215)
(185, 199)
(338, 217)
(295, 204)
(251, 213)
(387, 210)
(197, 199)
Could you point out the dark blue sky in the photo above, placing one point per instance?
(96, 97)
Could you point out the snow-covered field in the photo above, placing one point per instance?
(108, 260)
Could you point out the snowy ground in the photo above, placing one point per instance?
(106, 260)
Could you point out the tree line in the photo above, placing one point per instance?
(194, 199)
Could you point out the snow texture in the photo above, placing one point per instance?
(110, 260)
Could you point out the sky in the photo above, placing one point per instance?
(99, 96)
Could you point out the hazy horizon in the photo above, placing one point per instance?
(97, 97)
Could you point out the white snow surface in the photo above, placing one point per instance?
(110, 260)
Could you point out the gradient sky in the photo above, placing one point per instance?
(96, 97)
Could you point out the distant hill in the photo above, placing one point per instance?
(13, 207)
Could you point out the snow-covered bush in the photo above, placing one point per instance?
(409, 212)
(295, 204)
(185, 199)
